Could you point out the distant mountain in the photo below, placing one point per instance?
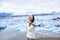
(55, 13)
(3, 14)
(38, 14)
(43, 14)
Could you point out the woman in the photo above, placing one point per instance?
(30, 27)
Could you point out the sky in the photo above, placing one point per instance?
(29, 6)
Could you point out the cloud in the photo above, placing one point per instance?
(22, 6)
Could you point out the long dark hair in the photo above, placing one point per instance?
(33, 18)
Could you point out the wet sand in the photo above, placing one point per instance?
(22, 36)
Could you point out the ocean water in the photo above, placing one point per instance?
(48, 23)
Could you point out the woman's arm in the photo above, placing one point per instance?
(27, 26)
(38, 25)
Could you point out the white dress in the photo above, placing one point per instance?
(30, 31)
